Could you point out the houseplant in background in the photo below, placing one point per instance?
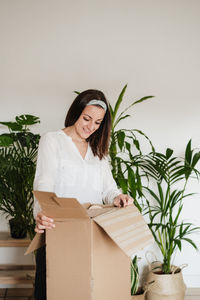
(126, 161)
(136, 292)
(18, 151)
(125, 152)
(169, 176)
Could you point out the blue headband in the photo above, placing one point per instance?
(98, 102)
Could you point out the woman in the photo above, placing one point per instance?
(72, 163)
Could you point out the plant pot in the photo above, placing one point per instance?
(166, 286)
(17, 229)
(139, 296)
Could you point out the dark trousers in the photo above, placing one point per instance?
(40, 277)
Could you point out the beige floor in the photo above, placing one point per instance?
(192, 294)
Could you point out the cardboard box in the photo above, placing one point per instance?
(88, 252)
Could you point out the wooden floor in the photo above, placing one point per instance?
(25, 294)
(193, 294)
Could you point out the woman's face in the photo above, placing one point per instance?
(89, 121)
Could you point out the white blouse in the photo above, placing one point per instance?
(62, 170)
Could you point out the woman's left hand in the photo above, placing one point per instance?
(122, 200)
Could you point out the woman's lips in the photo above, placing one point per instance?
(86, 131)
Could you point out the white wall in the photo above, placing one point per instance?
(51, 48)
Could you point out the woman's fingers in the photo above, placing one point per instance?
(46, 224)
(43, 222)
(130, 201)
(122, 200)
(44, 218)
(38, 230)
(41, 217)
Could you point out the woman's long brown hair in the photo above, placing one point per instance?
(99, 140)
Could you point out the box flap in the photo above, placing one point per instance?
(98, 211)
(86, 205)
(37, 242)
(62, 208)
(127, 228)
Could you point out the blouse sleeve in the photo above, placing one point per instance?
(110, 190)
(47, 162)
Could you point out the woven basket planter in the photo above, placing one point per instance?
(166, 286)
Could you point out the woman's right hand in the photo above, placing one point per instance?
(43, 222)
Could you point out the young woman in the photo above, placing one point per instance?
(72, 162)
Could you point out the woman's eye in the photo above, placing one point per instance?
(86, 119)
(98, 123)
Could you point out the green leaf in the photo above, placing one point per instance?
(111, 110)
(142, 99)
(169, 153)
(146, 137)
(134, 276)
(123, 184)
(14, 126)
(120, 139)
(188, 153)
(5, 140)
(195, 159)
(27, 120)
(131, 181)
(178, 243)
(134, 103)
(121, 118)
(137, 144)
(128, 146)
(153, 194)
(191, 242)
(118, 103)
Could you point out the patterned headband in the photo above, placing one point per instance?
(98, 102)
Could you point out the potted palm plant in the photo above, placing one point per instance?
(18, 151)
(169, 181)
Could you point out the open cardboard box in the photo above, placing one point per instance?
(89, 251)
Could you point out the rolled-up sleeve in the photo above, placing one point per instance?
(110, 190)
(46, 168)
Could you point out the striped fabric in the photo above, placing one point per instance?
(127, 228)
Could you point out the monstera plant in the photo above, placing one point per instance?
(18, 151)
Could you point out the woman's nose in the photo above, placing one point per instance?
(91, 126)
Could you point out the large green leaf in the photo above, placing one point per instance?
(14, 126)
(27, 120)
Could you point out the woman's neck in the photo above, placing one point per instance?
(71, 131)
